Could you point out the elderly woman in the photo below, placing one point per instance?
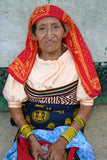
(52, 85)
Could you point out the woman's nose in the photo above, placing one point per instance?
(49, 32)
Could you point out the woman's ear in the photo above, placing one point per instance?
(66, 32)
(34, 37)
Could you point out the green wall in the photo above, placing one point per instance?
(101, 68)
(3, 77)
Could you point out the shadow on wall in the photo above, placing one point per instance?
(101, 68)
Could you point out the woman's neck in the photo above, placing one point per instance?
(52, 55)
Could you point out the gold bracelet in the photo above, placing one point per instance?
(69, 134)
(30, 133)
(26, 131)
(79, 121)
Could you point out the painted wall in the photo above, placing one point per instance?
(89, 15)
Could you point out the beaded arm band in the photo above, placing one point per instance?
(69, 134)
(79, 121)
(26, 131)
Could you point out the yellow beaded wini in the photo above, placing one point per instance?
(69, 134)
(26, 131)
(79, 121)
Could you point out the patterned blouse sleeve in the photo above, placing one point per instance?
(14, 93)
(82, 96)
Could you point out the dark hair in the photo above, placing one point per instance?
(63, 26)
(34, 28)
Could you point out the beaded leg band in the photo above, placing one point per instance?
(26, 131)
(69, 134)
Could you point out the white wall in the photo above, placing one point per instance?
(89, 15)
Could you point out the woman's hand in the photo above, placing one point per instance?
(56, 150)
(35, 148)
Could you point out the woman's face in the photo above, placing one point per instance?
(49, 34)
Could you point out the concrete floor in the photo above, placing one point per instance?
(95, 132)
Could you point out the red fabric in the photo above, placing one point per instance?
(22, 66)
(23, 150)
(71, 153)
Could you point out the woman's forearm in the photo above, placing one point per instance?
(84, 114)
(78, 123)
(18, 117)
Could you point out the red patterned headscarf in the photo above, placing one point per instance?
(22, 66)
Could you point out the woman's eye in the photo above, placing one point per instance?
(56, 27)
(41, 28)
